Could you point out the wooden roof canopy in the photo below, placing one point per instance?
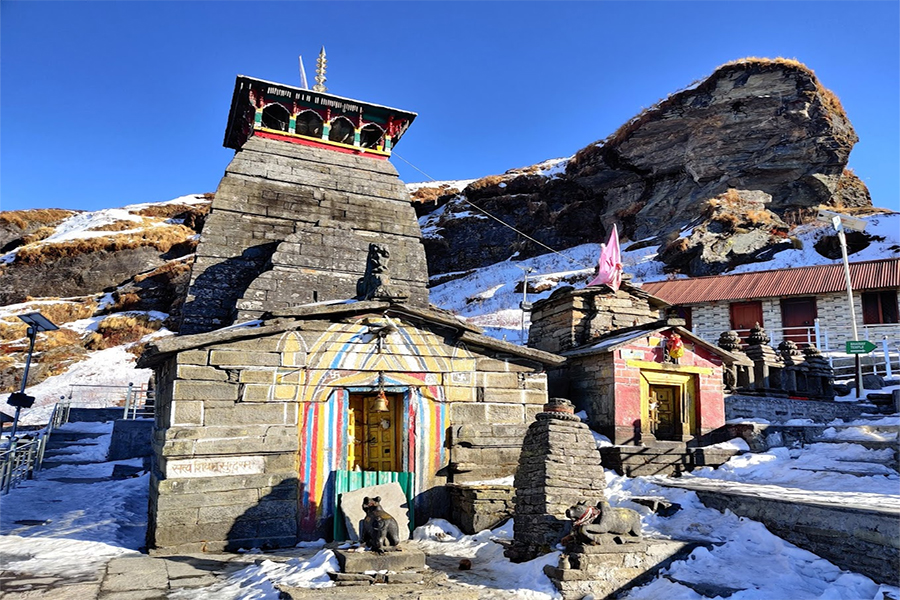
(252, 96)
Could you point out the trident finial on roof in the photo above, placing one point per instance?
(321, 63)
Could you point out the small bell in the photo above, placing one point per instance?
(381, 403)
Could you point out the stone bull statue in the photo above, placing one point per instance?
(595, 524)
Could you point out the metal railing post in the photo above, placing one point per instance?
(887, 357)
(128, 400)
(8, 466)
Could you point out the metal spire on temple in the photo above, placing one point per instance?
(321, 63)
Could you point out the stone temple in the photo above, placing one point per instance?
(309, 362)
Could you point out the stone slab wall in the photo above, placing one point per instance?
(609, 571)
(637, 461)
(482, 451)
(225, 473)
(861, 541)
(474, 508)
(291, 225)
(778, 410)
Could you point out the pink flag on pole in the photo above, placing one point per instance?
(610, 264)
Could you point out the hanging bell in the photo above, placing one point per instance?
(381, 402)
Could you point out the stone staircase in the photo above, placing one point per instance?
(60, 446)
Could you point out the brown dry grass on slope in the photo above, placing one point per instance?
(46, 216)
(162, 238)
(122, 225)
(116, 330)
(167, 211)
(60, 313)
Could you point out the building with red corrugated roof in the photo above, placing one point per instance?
(804, 304)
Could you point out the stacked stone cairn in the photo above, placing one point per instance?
(766, 364)
(735, 375)
(819, 374)
(559, 466)
(793, 373)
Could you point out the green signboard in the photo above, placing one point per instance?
(860, 347)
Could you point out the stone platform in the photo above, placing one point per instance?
(404, 558)
(607, 570)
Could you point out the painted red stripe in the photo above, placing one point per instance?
(303, 142)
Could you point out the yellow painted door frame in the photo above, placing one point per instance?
(686, 398)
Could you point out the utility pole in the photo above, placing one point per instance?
(839, 222)
(525, 305)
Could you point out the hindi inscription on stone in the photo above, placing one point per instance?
(215, 467)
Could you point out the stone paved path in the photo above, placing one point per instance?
(137, 577)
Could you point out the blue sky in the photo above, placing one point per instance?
(103, 104)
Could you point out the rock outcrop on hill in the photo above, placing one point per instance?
(101, 258)
(765, 129)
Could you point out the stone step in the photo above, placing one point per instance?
(857, 469)
(870, 444)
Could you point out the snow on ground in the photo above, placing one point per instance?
(257, 582)
(815, 467)
(743, 554)
(492, 573)
(110, 367)
(92, 522)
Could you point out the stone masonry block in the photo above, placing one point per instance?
(185, 412)
(204, 390)
(498, 380)
(268, 413)
(202, 373)
(193, 357)
(256, 376)
(240, 358)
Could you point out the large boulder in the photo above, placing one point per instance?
(765, 127)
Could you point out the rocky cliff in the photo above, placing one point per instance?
(766, 133)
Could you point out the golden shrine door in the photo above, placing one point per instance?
(665, 418)
(374, 435)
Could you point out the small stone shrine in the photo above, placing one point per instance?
(819, 374)
(558, 467)
(649, 385)
(737, 374)
(767, 364)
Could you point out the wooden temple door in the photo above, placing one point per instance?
(665, 418)
(374, 434)
(744, 315)
(798, 317)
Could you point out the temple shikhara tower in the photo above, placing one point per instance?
(308, 189)
(337, 374)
